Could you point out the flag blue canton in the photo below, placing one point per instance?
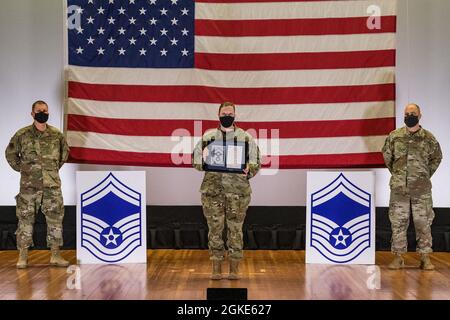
(132, 33)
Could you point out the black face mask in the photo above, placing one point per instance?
(41, 117)
(411, 120)
(226, 121)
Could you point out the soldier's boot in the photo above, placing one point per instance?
(425, 263)
(234, 270)
(216, 270)
(22, 262)
(56, 259)
(397, 263)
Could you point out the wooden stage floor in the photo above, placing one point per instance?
(184, 275)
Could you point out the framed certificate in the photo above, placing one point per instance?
(226, 156)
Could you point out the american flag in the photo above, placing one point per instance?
(142, 73)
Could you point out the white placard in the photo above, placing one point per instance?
(340, 217)
(235, 156)
(111, 217)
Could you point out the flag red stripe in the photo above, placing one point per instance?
(348, 160)
(287, 129)
(285, 95)
(290, 27)
(295, 61)
(111, 157)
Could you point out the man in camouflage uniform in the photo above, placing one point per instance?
(226, 196)
(412, 155)
(38, 151)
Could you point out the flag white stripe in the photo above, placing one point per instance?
(254, 113)
(164, 144)
(291, 10)
(289, 44)
(235, 79)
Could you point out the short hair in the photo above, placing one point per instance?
(416, 105)
(38, 102)
(227, 104)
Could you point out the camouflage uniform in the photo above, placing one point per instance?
(412, 158)
(38, 156)
(226, 196)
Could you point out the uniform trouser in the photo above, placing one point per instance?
(50, 201)
(217, 209)
(400, 208)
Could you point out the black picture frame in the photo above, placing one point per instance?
(219, 152)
